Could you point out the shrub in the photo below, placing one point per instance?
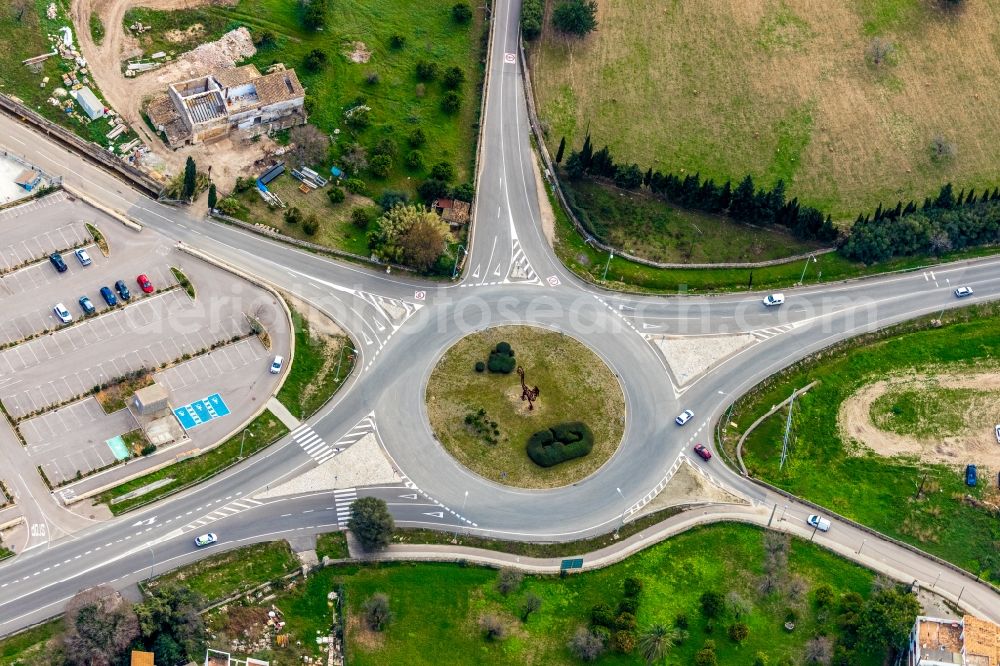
(454, 77)
(633, 586)
(531, 18)
(443, 171)
(379, 165)
(823, 596)
(461, 13)
(392, 198)
(311, 225)
(451, 102)
(361, 217)
(463, 192)
(385, 146)
(415, 159)
(397, 42)
(625, 621)
(575, 17)
(417, 138)
(377, 612)
(711, 603)
(493, 628)
(625, 641)
(628, 605)
(335, 195)
(314, 61)
(148, 449)
(501, 359)
(293, 215)
(431, 189)
(738, 632)
(681, 621)
(426, 71)
(602, 615)
(587, 645)
(508, 580)
(560, 443)
(480, 366)
(356, 186)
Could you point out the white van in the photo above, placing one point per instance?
(774, 299)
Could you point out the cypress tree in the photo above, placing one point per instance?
(725, 196)
(910, 208)
(971, 197)
(742, 205)
(212, 196)
(190, 178)
(945, 198)
(960, 200)
(586, 153)
(648, 178)
(996, 194)
(878, 212)
(559, 152)
(927, 203)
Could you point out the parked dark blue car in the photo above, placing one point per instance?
(970, 475)
(109, 296)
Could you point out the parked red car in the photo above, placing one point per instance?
(145, 284)
(702, 451)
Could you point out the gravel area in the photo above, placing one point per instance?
(689, 486)
(689, 356)
(361, 464)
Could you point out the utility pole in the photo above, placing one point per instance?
(243, 439)
(788, 429)
(772, 515)
(611, 255)
(803, 276)
(152, 557)
(622, 522)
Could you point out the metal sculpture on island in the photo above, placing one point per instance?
(529, 394)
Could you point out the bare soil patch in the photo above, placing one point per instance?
(359, 53)
(975, 444)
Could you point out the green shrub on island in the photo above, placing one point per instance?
(561, 442)
(502, 359)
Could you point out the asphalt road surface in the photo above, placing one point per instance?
(402, 325)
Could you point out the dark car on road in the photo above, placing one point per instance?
(702, 451)
(971, 476)
(58, 262)
(122, 290)
(109, 296)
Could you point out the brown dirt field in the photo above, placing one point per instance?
(228, 159)
(782, 89)
(687, 487)
(977, 445)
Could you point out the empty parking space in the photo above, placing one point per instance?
(47, 232)
(231, 358)
(74, 438)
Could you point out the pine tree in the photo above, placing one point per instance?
(996, 194)
(190, 178)
(559, 153)
(960, 200)
(898, 210)
(971, 198)
(648, 178)
(725, 196)
(212, 196)
(878, 212)
(927, 203)
(946, 198)
(910, 208)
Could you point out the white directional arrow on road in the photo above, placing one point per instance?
(413, 496)
(646, 326)
(148, 521)
(435, 514)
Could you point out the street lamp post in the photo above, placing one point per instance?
(243, 439)
(803, 276)
(611, 255)
(461, 513)
(783, 510)
(152, 560)
(861, 546)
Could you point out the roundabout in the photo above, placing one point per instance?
(480, 418)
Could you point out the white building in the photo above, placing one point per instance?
(92, 106)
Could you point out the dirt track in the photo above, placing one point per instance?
(977, 444)
(126, 95)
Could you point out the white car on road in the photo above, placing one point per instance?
(962, 292)
(822, 524)
(684, 417)
(205, 539)
(774, 299)
(63, 314)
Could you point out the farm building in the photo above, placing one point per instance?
(238, 99)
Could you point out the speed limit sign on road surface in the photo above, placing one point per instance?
(508, 58)
(419, 295)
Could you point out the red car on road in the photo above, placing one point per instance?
(702, 451)
(145, 284)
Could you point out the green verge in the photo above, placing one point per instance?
(920, 503)
(235, 571)
(261, 432)
(332, 545)
(183, 281)
(96, 28)
(653, 229)
(29, 648)
(437, 606)
(321, 364)
(623, 275)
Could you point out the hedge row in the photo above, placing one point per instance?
(560, 443)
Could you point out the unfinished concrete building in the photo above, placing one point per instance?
(230, 100)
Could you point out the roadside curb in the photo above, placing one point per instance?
(134, 226)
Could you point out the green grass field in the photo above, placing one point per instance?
(320, 365)
(568, 375)
(223, 575)
(784, 90)
(917, 502)
(437, 606)
(652, 229)
(398, 101)
(926, 411)
(30, 648)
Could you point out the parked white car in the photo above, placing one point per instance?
(822, 524)
(63, 314)
(276, 365)
(774, 299)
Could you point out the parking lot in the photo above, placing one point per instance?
(45, 363)
(46, 234)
